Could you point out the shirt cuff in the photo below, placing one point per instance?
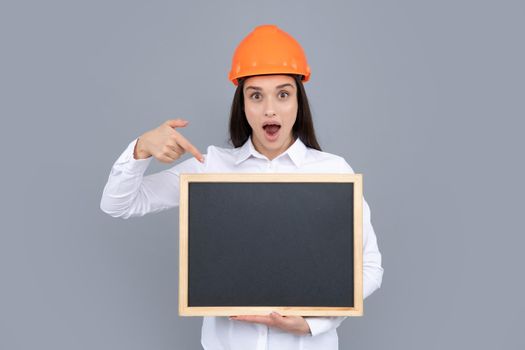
(320, 325)
(127, 161)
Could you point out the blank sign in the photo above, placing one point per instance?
(255, 243)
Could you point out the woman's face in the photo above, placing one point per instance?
(271, 100)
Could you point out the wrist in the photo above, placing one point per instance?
(139, 152)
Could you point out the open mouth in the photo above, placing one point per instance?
(271, 129)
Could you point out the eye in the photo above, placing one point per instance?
(285, 93)
(255, 94)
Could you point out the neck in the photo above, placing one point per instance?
(271, 154)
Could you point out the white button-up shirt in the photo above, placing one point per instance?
(128, 193)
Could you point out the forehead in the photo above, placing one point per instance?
(269, 81)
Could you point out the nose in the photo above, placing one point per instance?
(269, 109)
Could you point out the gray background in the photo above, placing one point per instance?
(425, 98)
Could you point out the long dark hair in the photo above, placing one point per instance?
(303, 128)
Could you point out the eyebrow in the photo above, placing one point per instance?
(277, 87)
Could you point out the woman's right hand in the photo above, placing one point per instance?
(165, 143)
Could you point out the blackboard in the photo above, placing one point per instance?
(255, 243)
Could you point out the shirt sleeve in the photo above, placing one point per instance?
(320, 325)
(128, 193)
(372, 269)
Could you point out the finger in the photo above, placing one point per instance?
(277, 318)
(172, 151)
(177, 123)
(176, 147)
(173, 155)
(273, 315)
(250, 318)
(270, 320)
(165, 159)
(169, 156)
(184, 143)
(255, 319)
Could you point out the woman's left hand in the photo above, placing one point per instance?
(293, 324)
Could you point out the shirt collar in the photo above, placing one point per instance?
(296, 152)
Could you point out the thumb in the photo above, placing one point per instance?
(177, 123)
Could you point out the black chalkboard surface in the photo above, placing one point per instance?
(255, 243)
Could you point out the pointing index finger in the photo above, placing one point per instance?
(184, 143)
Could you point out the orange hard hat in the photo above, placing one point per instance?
(268, 50)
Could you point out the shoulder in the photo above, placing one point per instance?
(328, 159)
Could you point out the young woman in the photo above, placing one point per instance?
(271, 130)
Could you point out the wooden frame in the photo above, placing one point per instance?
(356, 179)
